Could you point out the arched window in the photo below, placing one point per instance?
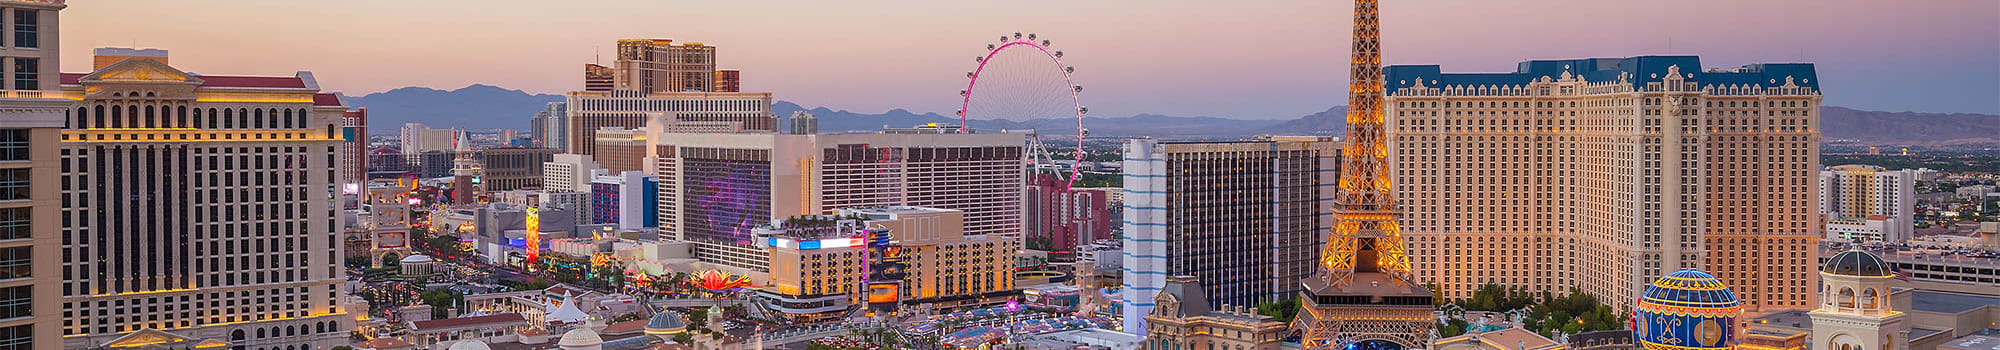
(98, 116)
(302, 117)
(228, 119)
(288, 118)
(82, 115)
(1868, 299)
(132, 112)
(258, 121)
(181, 114)
(260, 333)
(1846, 297)
(117, 116)
(291, 331)
(150, 122)
(243, 118)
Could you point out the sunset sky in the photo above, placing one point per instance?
(1262, 59)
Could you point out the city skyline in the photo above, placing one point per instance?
(1119, 48)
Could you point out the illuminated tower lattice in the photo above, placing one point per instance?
(1365, 296)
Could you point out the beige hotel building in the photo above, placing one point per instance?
(1604, 173)
(32, 111)
(198, 207)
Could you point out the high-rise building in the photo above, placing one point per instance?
(803, 123)
(630, 199)
(432, 164)
(417, 139)
(1850, 193)
(621, 150)
(538, 131)
(714, 188)
(569, 173)
(203, 203)
(512, 168)
(1245, 218)
(598, 78)
(553, 128)
(1061, 217)
(728, 80)
(660, 65)
(354, 148)
(387, 159)
(676, 112)
(33, 112)
(1600, 172)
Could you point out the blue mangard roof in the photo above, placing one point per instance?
(1639, 70)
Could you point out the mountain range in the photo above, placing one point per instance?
(486, 107)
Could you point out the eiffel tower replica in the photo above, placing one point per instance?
(1365, 294)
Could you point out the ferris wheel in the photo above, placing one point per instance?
(1021, 82)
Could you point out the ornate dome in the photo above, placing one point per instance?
(418, 258)
(1688, 309)
(1857, 263)
(666, 322)
(474, 344)
(580, 337)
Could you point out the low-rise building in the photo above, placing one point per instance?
(1865, 229)
(1505, 339)
(1181, 318)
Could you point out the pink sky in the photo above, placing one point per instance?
(1245, 59)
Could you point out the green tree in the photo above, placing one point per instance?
(441, 301)
(684, 338)
(1282, 310)
(698, 318)
(1453, 327)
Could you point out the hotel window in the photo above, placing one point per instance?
(13, 144)
(14, 223)
(14, 184)
(26, 73)
(13, 264)
(20, 337)
(25, 21)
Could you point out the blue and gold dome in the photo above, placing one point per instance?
(1687, 310)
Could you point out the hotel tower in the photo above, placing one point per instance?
(1603, 172)
(199, 207)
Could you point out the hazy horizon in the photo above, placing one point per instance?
(1245, 60)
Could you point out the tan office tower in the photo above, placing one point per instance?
(678, 112)
(512, 168)
(200, 206)
(660, 65)
(1602, 172)
(728, 80)
(715, 188)
(598, 78)
(621, 150)
(32, 112)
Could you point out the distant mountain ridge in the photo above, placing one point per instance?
(1909, 128)
(475, 107)
(486, 107)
